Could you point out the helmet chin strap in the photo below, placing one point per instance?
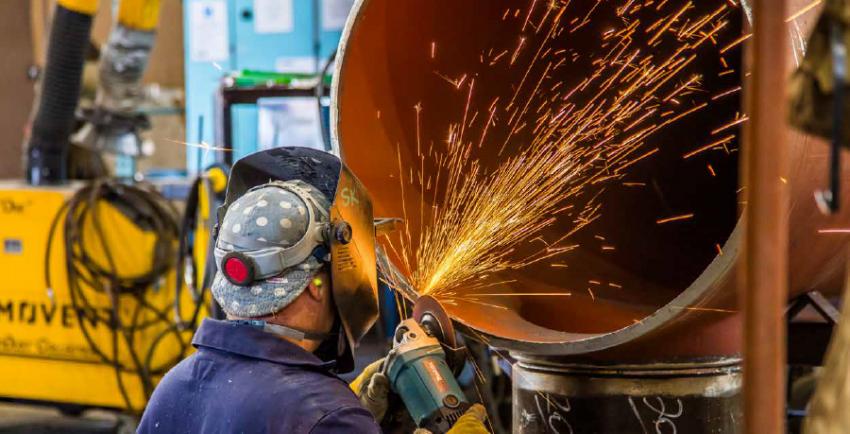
(284, 331)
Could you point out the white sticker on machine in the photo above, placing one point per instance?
(302, 64)
(208, 37)
(334, 13)
(273, 16)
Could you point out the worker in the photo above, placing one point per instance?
(271, 365)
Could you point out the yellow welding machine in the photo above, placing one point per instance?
(63, 346)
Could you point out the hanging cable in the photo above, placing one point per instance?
(92, 269)
(187, 258)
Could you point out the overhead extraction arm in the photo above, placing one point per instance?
(122, 66)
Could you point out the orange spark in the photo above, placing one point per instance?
(675, 218)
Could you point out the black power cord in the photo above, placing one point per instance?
(187, 259)
(320, 93)
(87, 276)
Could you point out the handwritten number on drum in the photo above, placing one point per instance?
(552, 413)
(665, 419)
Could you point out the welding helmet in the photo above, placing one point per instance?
(348, 234)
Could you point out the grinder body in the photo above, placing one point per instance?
(418, 372)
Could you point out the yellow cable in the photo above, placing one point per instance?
(139, 14)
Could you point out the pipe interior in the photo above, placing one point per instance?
(628, 265)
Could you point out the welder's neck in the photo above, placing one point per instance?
(308, 345)
(305, 344)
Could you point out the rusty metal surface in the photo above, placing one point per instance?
(673, 281)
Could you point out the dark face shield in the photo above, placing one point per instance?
(352, 240)
(353, 268)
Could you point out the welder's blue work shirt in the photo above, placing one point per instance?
(244, 380)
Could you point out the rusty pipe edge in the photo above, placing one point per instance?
(713, 378)
(375, 87)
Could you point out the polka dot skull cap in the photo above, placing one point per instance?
(269, 214)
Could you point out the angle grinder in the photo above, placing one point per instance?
(422, 366)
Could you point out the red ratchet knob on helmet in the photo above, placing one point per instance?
(238, 269)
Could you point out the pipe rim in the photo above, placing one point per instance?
(709, 282)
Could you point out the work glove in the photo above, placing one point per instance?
(373, 387)
(472, 422)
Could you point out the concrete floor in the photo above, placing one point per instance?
(33, 419)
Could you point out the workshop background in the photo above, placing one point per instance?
(619, 216)
(28, 21)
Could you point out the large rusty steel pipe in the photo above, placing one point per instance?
(678, 297)
(764, 280)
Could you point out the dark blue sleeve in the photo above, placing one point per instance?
(355, 420)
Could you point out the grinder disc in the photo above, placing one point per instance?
(427, 305)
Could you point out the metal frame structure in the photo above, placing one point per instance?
(763, 281)
(229, 95)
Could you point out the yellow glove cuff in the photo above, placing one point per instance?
(363, 379)
(472, 422)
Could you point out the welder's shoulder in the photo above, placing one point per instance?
(322, 404)
(167, 406)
